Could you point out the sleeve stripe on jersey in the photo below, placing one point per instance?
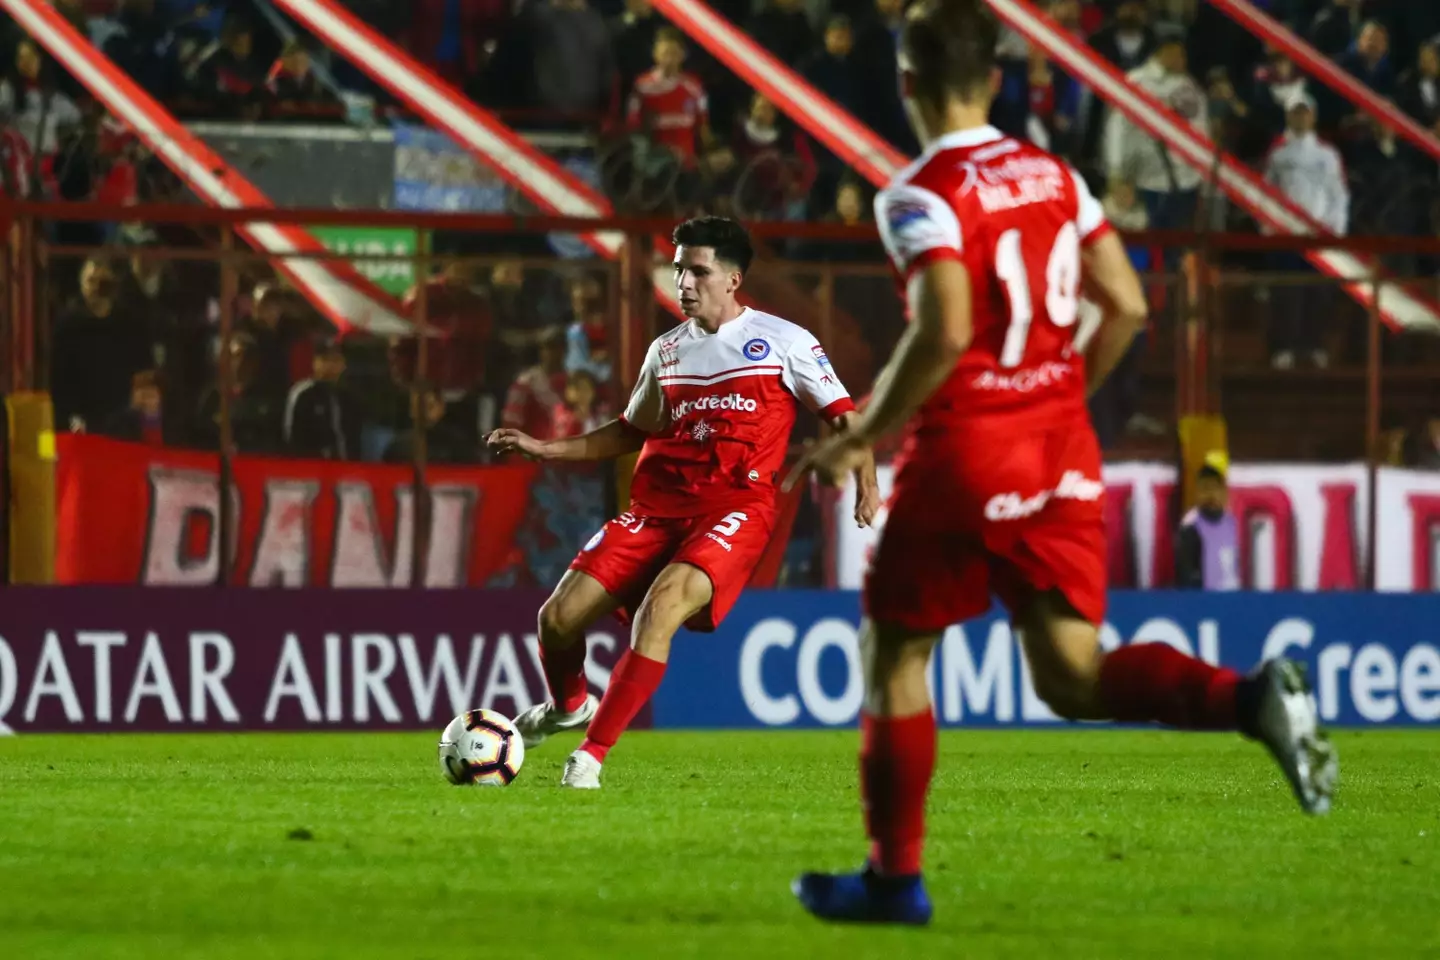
(838, 408)
(932, 256)
(1103, 229)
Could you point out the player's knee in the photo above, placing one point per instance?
(1070, 694)
(677, 595)
(558, 622)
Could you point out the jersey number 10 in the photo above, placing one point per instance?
(1062, 287)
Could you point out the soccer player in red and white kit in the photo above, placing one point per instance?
(711, 415)
(998, 487)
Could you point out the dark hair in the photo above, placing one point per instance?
(670, 35)
(950, 47)
(726, 237)
(1208, 472)
(838, 22)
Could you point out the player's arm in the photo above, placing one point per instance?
(614, 439)
(1112, 284)
(938, 334)
(646, 413)
(867, 483)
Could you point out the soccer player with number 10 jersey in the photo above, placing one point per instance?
(997, 487)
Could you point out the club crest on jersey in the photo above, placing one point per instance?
(756, 350)
(669, 353)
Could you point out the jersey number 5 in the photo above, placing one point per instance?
(1062, 287)
(730, 525)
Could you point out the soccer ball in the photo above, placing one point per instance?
(481, 749)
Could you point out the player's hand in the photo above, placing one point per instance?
(867, 504)
(506, 440)
(832, 460)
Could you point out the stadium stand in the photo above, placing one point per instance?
(653, 125)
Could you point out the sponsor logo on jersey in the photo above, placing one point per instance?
(819, 354)
(756, 349)
(594, 541)
(1073, 485)
(720, 540)
(904, 214)
(1047, 374)
(732, 401)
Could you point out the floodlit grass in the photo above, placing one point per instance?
(1044, 844)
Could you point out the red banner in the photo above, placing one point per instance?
(128, 513)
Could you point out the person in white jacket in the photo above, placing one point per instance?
(1311, 174)
(1168, 187)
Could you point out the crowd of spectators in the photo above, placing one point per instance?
(681, 133)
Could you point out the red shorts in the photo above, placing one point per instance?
(630, 551)
(983, 510)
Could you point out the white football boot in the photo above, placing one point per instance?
(582, 772)
(1288, 723)
(545, 720)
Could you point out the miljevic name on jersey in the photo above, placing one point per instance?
(733, 401)
(1016, 182)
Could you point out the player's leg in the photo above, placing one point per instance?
(897, 761)
(698, 586)
(679, 592)
(1155, 683)
(578, 602)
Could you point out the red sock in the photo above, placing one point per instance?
(1156, 682)
(565, 675)
(897, 758)
(634, 681)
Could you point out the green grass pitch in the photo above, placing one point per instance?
(1043, 844)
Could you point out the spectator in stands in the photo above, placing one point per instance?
(875, 45)
(228, 78)
(1389, 195)
(1419, 93)
(444, 443)
(533, 397)
(1422, 445)
(31, 95)
(582, 409)
(1335, 27)
(1207, 546)
(783, 28)
(668, 105)
(17, 163)
(461, 315)
(141, 44)
(143, 420)
(1127, 41)
(1368, 61)
(99, 345)
(833, 73)
(1168, 187)
(273, 335)
(452, 37)
(1276, 83)
(774, 165)
(321, 419)
(175, 319)
(294, 88)
(1311, 174)
(633, 36)
(587, 337)
(256, 410)
(573, 67)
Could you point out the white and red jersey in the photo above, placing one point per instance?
(718, 409)
(1017, 217)
(671, 108)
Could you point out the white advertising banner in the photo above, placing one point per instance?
(1304, 527)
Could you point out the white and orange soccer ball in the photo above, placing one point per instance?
(481, 748)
